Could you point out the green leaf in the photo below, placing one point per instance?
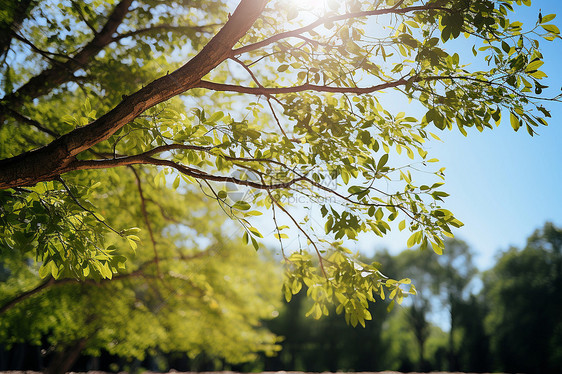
(548, 18)
(45, 270)
(241, 205)
(255, 232)
(515, 123)
(176, 183)
(551, 28)
(132, 243)
(215, 117)
(390, 306)
(253, 213)
(534, 65)
(255, 243)
(382, 161)
(437, 248)
(412, 240)
(345, 176)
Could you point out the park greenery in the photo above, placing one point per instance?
(136, 136)
(505, 319)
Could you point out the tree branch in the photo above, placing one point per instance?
(83, 207)
(305, 87)
(324, 20)
(204, 28)
(20, 117)
(51, 282)
(21, 297)
(198, 174)
(312, 242)
(146, 220)
(19, 11)
(83, 17)
(43, 53)
(49, 161)
(55, 76)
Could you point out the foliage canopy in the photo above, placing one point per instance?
(277, 99)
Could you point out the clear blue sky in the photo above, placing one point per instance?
(504, 185)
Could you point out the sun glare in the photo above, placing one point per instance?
(312, 5)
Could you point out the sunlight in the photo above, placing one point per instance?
(311, 5)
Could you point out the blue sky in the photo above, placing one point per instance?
(503, 184)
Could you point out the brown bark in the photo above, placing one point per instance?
(48, 162)
(63, 360)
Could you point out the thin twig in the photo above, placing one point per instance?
(146, 220)
(84, 208)
(320, 258)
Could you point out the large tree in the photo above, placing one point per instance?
(185, 299)
(524, 293)
(279, 99)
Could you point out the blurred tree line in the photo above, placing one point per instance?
(506, 319)
(512, 324)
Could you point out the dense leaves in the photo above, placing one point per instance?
(258, 107)
(525, 288)
(184, 287)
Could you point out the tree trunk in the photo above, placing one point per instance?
(63, 360)
(451, 340)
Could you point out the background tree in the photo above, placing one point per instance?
(421, 267)
(327, 344)
(442, 281)
(472, 343)
(184, 289)
(511, 325)
(524, 290)
(277, 100)
(454, 274)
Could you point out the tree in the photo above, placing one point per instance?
(186, 299)
(524, 290)
(421, 267)
(473, 351)
(276, 98)
(456, 271)
(443, 282)
(327, 344)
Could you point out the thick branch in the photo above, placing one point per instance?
(47, 162)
